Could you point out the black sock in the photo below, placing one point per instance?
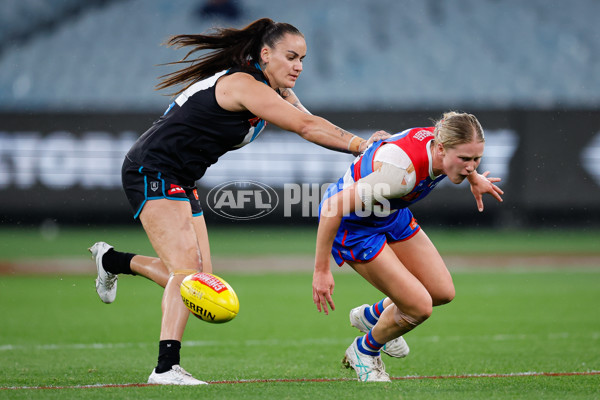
(117, 262)
(168, 355)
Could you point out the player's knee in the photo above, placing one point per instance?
(419, 310)
(408, 320)
(423, 312)
(444, 296)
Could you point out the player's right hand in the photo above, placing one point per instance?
(323, 285)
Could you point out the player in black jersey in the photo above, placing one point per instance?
(228, 95)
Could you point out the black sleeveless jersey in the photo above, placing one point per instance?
(195, 131)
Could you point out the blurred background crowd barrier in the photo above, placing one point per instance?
(77, 88)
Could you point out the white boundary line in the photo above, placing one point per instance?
(292, 342)
(410, 377)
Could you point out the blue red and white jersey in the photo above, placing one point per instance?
(415, 142)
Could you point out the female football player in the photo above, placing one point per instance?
(365, 222)
(227, 97)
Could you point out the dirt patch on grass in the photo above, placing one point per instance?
(299, 263)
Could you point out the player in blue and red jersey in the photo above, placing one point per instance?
(365, 221)
(229, 93)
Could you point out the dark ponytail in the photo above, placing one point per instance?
(231, 48)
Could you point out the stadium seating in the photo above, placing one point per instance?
(361, 54)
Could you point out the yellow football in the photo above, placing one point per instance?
(209, 297)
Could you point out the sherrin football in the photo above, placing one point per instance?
(209, 297)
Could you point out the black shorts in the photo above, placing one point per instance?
(142, 184)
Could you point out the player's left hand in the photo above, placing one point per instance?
(480, 184)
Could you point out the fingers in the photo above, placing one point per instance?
(496, 193)
(325, 309)
(317, 300)
(492, 179)
(321, 304)
(322, 300)
(382, 134)
(377, 136)
(479, 200)
(330, 302)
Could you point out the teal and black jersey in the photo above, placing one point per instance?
(195, 131)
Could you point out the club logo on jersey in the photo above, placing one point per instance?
(242, 200)
(175, 189)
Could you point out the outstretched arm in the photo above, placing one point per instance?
(480, 184)
(288, 95)
(240, 91)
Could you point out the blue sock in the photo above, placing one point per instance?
(373, 313)
(369, 346)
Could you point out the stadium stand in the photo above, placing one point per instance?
(22, 19)
(388, 54)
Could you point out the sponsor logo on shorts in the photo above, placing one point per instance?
(175, 189)
(413, 224)
(154, 185)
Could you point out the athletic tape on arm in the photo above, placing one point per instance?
(388, 182)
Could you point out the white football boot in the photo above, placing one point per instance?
(175, 376)
(368, 368)
(394, 348)
(106, 283)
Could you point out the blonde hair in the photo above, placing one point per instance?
(458, 128)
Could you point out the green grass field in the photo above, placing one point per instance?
(514, 333)
(44, 243)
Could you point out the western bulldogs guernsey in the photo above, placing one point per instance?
(195, 131)
(414, 142)
(362, 238)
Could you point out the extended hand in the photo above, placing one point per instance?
(377, 136)
(480, 184)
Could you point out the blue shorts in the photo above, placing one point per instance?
(142, 184)
(361, 243)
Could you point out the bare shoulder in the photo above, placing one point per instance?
(235, 81)
(234, 91)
